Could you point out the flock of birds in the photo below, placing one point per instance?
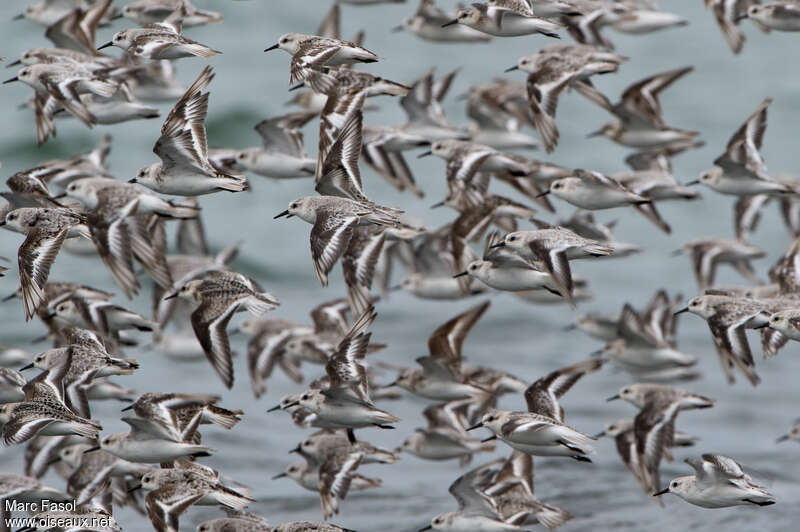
(77, 206)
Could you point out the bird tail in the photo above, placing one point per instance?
(178, 210)
(200, 50)
(223, 417)
(233, 499)
(261, 303)
(90, 429)
(599, 249)
(552, 516)
(233, 183)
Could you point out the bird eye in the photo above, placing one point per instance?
(673, 485)
(305, 397)
(293, 206)
(775, 319)
(12, 216)
(512, 238)
(557, 185)
(292, 469)
(24, 72)
(146, 479)
(473, 267)
(284, 40)
(141, 173)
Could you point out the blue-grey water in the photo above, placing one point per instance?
(513, 336)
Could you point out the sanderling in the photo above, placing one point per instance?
(334, 220)
(152, 11)
(641, 124)
(465, 158)
(44, 413)
(640, 394)
(440, 378)
(95, 192)
(622, 430)
(555, 68)
(427, 23)
(728, 14)
(645, 347)
(510, 493)
(652, 172)
(184, 169)
(73, 368)
(584, 224)
(310, 51)
(445, 437)
(333, 478)
(594, 191)
(156, 81)
(346, 402)
(25, 189)
(554, 247)
(780, 16)
(94, 469)
(54, 175)
(322, 444)
(46, 13)
(498, 110)
(727, 318)
(267, 349)
(504, 22)
(424, 111)
(100, 316)
(200, 479)
(636, 19)
(741, 171)
(787, 322)
(382, 149)
(145, 444)
(221, 295)
(161, 40)
(542, 396)
(708, 253)
(45, 229)
(718, 482)
(536, 434)
(504, 270)
(282, 155)
(63, 83)
(475, 510)
(77, 29)
(11, 383)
